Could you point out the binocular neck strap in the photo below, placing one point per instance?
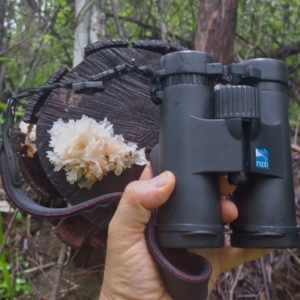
(190, 284)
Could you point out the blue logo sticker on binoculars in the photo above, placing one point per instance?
(262, 158)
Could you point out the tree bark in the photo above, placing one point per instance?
(117, 20)
(102, 19)
(81, 39)
(216, 29)
(163, 27)
(98, 22)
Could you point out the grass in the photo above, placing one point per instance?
(6, 285)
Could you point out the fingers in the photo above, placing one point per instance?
(134, 210)
(147, 173)
(228, 210)
(224, 187)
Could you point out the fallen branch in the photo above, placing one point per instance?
(231, 292)
(58, 273)
(39, 268)
(262, 264)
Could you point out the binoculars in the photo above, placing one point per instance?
(240, 129)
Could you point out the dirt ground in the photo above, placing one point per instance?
(82, 274)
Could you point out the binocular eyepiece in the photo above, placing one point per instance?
(240, 129)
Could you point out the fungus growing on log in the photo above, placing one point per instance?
(87, 150)
(30, 131)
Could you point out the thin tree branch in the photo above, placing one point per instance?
(297, 130)
(184, 42)
(18, 43)
(247, 42)
(231, 292)
(37, 50)
(54, 32)
(295, 147)
(286, 50)
(83, 10)
(262, 264)
(163, 27)
(102, 19)
(116, 17)
(59, 269)
(37, 268)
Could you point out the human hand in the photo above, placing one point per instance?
(227, 258)
(130, 271)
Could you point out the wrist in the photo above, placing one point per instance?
(104, 294)
(109, 292)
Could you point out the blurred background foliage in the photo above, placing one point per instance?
(38, 36)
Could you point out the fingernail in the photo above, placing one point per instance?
(161, 180)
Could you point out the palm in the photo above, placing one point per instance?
(136, 265)
(227, 258)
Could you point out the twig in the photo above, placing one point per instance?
(37, 268)
(8, 231)
(294, 256)
(289, 294)
(249, 43)
(231, 292)
(73, 286)
(295, 147)
(296, 130)
(58, 273)
(18, 43)
(262, 264)
(295, 91)
(41, 269)
(36, 51)
(116, 17)
(155, 29)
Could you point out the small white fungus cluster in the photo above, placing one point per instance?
(88, 150)
(30, 131)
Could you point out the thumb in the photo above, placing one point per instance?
(134, 210)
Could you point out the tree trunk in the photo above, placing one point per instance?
(163, 27)
(216, 29)
(98, 22)
(83, 13)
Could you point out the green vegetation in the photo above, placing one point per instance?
(13, 282)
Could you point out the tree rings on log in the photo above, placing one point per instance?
(126, 103)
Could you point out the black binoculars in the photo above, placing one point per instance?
(240, 129)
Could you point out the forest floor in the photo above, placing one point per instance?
(34, 256)
(33, 253)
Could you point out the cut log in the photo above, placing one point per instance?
(126, 103)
